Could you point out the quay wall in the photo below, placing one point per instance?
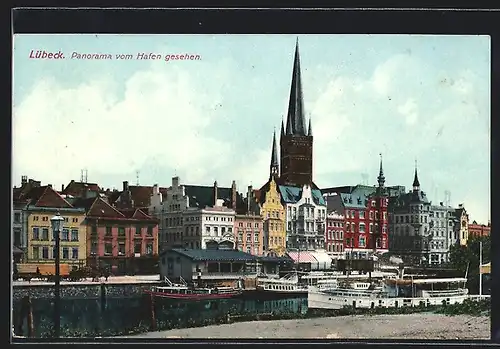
(80, 291)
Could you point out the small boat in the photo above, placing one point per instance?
(183, 291)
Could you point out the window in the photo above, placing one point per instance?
(45, 219)
(256, 236)
(17, 217)
(149, 249)
(121, 249)
(35, 218)
(65, 235)
(137, 248)
(362, 241)
(361, 214)
(229, 230)
(108, 249)
(75, 220)
(256, 225)
(240, 224)
(249, 249)
(256, 251)
(45, 252)
(371, 214)
(249, 237)
(197, 230)
(207, 229)
(249, 225)
(223, 230)
(121, 231)
(108, 231)
(36, 233)
(65, 254)
(74, 234)
(362, 227)
(385, 215)
(36, 252)
(138, 230)
(74, 253)
(150, 230)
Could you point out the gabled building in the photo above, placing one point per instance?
(195, 203)
(365, 216)
(133, 196)
(41, 204)
(125, 241)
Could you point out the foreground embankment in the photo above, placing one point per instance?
(404, 326)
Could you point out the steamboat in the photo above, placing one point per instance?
(184, 291)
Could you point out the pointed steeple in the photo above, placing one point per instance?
(416, 183)
(274, 166)
(282, 128)
(309, 128)
(295, 123)
(381, 178)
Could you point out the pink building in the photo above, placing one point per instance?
(249, 233)
(126, 241)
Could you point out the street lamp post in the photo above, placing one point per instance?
(56, 223)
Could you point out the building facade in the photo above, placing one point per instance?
(215, 225)
(441, 227)
(170, 207)
(249, 233)
(273, 215)
(462, 225)
(125, 242)
(365, 216)
(305, 218)
(44, 203)
(334, 237)
(479, 230)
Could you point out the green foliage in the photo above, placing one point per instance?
(461, 256)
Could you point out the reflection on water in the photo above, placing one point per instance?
(90, 317)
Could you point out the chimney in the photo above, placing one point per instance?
(49, 185)
(175, 181)
(215, 194)
(24, 180)
(125, 185)
(233, 195)
(249, 198)
(155, 189)
(62, 187)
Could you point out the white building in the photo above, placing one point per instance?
(305, 217)
(185, 207)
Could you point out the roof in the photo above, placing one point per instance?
(302, 257)
(322, 257)
(135, 214)
(18, 193)
(291, 194)
(202, 196)
(79, 188)
(214, 255)
(45, 196)
(353, 201)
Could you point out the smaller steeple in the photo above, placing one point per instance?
(282, 128)
(381, 178)
(309, 128)
(416, 183)
(274, 166)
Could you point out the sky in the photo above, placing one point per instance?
(409, 98)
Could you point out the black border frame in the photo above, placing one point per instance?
(440, 20)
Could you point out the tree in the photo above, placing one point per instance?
(463, 256)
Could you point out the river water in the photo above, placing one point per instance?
(90, 317)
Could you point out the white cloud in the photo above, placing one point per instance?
(410, 110)
(163, 114)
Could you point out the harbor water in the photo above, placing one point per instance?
(91, 317)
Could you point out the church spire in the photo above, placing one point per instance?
(282, 128)
(295, 123)
(274, 166)
(416, 183)
(309, 128)
(381, 177)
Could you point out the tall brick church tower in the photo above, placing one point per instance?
(296, 142)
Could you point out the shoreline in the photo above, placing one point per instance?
(401, 326)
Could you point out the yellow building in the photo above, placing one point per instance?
(273, 214)
(463, 219)
(44, 203)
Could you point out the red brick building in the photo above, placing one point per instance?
(334, 236)
(476, 230)
(124, 240)
(365, 217)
